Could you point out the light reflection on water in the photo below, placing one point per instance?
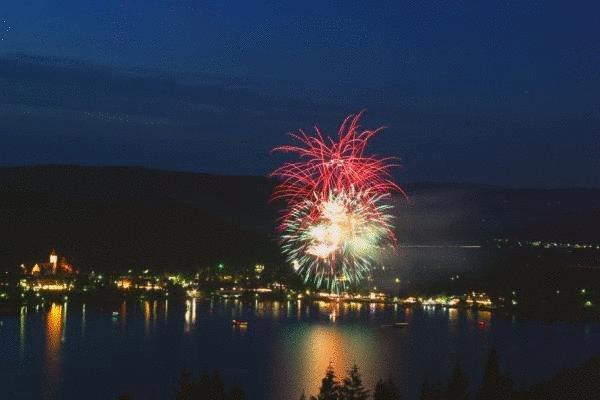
(314, 348)
(123, 316)
(83, 320)
(190, 314)
(284, 350)
(56, 323)
(146, 318)
(22, 333)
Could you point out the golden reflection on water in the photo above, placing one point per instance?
(314, 348)
(166, 311)
(56, 323)
(372, 308)
(123, 315)
(237, 308)
(146, 318)
(83, 320)
(484, 316)
(452, 314)
(334, 311)
(22, 332)
(63, 322)
(154, 314)
(325, 346)
(190, 314)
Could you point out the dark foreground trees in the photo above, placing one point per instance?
(330, 387)
(386, 390)
(458, 385)
(495, 384)
(352, 388)
(206, 387)
(579, 383)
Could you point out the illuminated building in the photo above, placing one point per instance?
(52, 267)
(149, 284)
(479, 299)
(54, 259)
(124, 283)
(141, 282)
(51, 276)
(50, 284)
(259, 268)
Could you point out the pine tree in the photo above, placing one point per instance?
(458, 385)
(495, 385)
(430, 392)
(216, 390)
(380, 391)
(202, 387)
(352, 387)
(330, 387)
(386, 390)
(236, 393)
(185, 386)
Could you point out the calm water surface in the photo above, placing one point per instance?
(71, 350)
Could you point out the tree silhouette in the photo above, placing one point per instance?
(386, 390)
(430, 392)
(185, 386)
(206, 387)
(216, 389)
(330, 387)
(495, 385)
(236, 393)
(458, 385)
(352, 387)
(202, 387)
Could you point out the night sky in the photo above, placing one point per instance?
(503, 93)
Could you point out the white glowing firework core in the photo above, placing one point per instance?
(340, 228)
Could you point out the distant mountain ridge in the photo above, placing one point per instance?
(119, 217)
(245, 197)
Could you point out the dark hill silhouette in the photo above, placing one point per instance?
(123, 217)
(131, 217)
(580, 383)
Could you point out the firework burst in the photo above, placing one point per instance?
(337, 218)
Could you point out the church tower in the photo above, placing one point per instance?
(54, 260)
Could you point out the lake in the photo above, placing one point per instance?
(74, 350)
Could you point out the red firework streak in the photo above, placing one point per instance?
(328, 169)
(330, 166)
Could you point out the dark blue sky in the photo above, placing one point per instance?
(502, 93)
